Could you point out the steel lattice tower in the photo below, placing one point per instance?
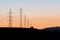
(25, 20)
(10, 18)
(20, 17)
(28, 23)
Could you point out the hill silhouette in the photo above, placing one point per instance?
(49, 33)
(53, 29)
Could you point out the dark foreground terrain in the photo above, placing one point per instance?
(21, 33)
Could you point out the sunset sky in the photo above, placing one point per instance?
(41, 13)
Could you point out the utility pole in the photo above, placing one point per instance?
(10, 18)
(20, 17)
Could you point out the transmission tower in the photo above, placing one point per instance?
(20, 17)
(10, 18)
(28, 23)
(25, 20)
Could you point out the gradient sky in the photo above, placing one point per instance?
(42, 13)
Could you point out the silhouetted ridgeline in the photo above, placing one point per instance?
(49, 33)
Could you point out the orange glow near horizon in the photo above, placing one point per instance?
(36, 23)
(45, 23)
